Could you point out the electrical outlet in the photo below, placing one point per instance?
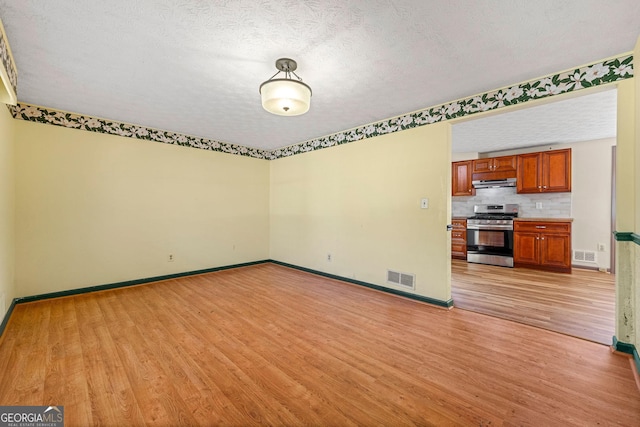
(170, 258)
(601, 247)
(329, 257)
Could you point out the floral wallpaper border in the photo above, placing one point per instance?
(76, 121)
(596, 74)
(7, 61)
(600, 73)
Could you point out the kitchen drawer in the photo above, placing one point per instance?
(542, 227)
(459, 250)
(459, 223)
(458, 235)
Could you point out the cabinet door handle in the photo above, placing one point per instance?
(542, 238)
(541, 226)
(544, 186)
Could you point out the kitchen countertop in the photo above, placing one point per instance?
(528, 219)
(545, 219)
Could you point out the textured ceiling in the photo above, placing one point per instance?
(584, 118)
(194, 67)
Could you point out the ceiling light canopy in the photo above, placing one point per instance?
(285, 96)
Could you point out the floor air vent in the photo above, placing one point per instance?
(585, 256)
(402, 279)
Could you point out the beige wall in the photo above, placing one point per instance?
(625, 163)
(458, 157)
(591, 197)
(7, 206)
(360, 202)
(93, 209)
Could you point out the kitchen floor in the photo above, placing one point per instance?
(580, 304)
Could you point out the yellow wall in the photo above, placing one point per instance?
(625, 156)
(360, 202)
(93, 209)
(7, 240)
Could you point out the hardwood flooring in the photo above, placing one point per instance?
(269, 345)
(581, 304)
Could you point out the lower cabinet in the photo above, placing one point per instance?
(543, 245)
(459, 238)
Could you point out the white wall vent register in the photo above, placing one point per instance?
(402, 279)
(585, 256)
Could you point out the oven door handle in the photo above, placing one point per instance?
(504, 227)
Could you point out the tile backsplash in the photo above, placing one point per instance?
(553, 205)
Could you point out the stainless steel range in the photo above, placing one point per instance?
(490, 234)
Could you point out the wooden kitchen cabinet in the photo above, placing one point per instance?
(544, 172)
(459, 238)
(495, 164)
(544, 245)
(461, 178)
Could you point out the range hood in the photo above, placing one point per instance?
(493, 183)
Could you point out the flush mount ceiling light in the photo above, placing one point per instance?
(285, 96)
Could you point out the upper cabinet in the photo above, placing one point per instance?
(544, 172)
(461, 178)
(541, 172)
(495, 164)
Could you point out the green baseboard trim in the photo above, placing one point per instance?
(130, 283)
(116, 285)
(627, 348)
(624, 236)
(7, 315)
(433, 301)
(622, 347)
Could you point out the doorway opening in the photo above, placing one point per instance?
(581, 303)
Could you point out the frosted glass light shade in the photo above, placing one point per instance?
(285, 97)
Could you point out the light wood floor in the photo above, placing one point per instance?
(581, 304)
(268, 345)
